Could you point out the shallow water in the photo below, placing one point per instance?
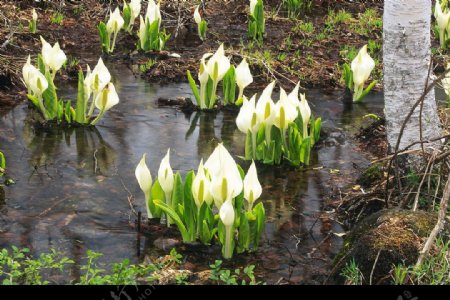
(73, 187)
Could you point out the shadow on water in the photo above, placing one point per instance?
(73, 186)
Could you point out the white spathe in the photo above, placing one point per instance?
(227, 213)
(143, 175)
(107, 98)
(165, 174)
(26, 71)
(201, 187)
(221, 61)
(285, 112)
(252, 6)
(99, 77)
(226, 181)
(135, 9)
(37, 81)
(243, 75)
(305, 112)
(153, 12)
(247, 118)
(252, 187)
(197, 16)
(362, 65)
(53, 57)
(265, 108)
(115, 22)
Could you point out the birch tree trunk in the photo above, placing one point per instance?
(406, 59)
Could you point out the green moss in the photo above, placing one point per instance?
(395, 236)
(372, 174)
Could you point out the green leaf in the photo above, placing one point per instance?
(317, 127)
(40, 63)
(80, 110)
(305, 151)
(153, 36)
(205, 233)
(50, 98)
(60, 111)
(33, 100)
(126, 13)
(2, 166)
(260, 214)
(367, 90)
(209, 91)
(175, 218)
(244, 234)
(229, 86)
(104, 37)
(348, 76)
(68, 112)
(190, 209)
(157, 193)
(193, 86)
(178, 191)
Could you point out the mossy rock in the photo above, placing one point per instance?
(371, 175)
(394, 235)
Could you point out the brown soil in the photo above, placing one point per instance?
(315, 64)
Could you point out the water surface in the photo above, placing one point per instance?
(73, 187)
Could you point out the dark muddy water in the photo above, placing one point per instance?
(72, 186)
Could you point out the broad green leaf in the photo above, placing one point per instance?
(156, 193)
(260, 214)
(80, 111)
(229, 86)
(68, 112)
(178, 191)
(244, 234)
(50, 98)
(305, 151)
(190, 209)
(193, 86)
(175, 218)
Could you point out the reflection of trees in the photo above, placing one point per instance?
(93, 152)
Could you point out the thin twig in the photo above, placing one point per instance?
(373, 267)
(439, 225)
(416, 200)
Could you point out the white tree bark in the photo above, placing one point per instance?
(406, 59)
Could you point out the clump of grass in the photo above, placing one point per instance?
(369, 21)
(57, 18)
(71, 62)
(305, 27)
(348, 53)
(143, 68)
(334, 18)
(434, 270)
(352, 273)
